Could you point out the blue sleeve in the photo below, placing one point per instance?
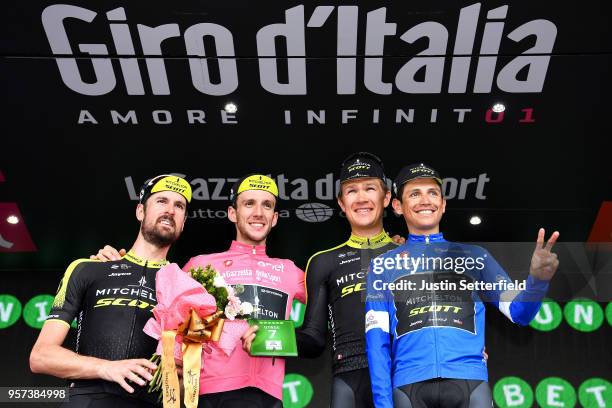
(378, 341)
(519, 306)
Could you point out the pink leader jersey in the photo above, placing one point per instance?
(270, 284)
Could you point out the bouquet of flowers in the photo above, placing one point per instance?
(225, 295)
(191, 310)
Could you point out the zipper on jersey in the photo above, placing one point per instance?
(435, 315)
(129, 345)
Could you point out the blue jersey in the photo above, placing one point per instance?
(425, 316)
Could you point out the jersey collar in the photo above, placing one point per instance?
(355, 241)
(426, 238)
(131, 256)
(247, 249)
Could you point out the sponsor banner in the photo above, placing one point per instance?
(313, 29)
(297, 194)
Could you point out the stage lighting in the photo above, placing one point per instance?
(475, 220)
(231, 107)
(498, 108)
(12, 219)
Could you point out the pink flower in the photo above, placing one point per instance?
(234, 301)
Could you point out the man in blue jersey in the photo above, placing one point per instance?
(424, 307)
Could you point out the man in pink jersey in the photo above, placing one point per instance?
(271, 284)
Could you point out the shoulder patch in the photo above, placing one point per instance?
(377, 320)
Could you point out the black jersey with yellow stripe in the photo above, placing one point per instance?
(111, 302)
(335, 284)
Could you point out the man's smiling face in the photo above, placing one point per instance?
(254, 216)
(422, 206)
(363, 201)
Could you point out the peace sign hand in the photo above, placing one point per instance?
(544, 263)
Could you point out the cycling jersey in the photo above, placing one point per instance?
(111, 301)
(270, 284)
(336, 283)
(415, 333)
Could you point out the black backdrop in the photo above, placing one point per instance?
(68, 171)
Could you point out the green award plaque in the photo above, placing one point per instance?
(275, 338)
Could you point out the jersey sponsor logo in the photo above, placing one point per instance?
(377, 320)
(124, 302)
(267, 276)
(278, 267)
(350, 277)
(132, 291)
(358, 287)
(348, 253)
(236, 273)
(267, 302)
(345, 261)
(353, 287)
(434, 308)
(115, 274)
(122, 266)
(418, 309)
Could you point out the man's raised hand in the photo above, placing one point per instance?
(544, 263)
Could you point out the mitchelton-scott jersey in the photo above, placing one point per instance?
(425, 316)
(336, 283)
(111, 302)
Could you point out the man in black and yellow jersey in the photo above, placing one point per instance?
(111, 302)
(336, 280)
